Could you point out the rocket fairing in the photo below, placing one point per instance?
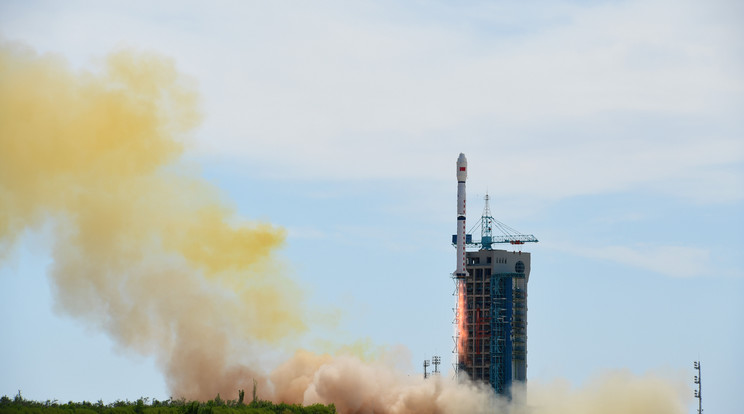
(462, 176)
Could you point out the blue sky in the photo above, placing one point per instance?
(610, 130)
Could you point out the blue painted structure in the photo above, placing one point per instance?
(502, 305)
(496, 318)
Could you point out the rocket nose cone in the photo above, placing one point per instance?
(462, 168)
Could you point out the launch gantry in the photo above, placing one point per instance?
(490, 324)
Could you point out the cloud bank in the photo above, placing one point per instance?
(584, 98)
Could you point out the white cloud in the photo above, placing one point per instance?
(550, 101)
(674, 261)
(366, 98)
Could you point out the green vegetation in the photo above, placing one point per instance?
(19, 405)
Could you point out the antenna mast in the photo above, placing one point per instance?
(486, 229)
(699, 382)
(436, 360)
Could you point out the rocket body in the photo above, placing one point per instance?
(462, 176)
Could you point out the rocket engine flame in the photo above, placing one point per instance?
(462, 339)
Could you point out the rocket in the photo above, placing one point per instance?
(462, 175)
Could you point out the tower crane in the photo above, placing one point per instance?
(487, 224)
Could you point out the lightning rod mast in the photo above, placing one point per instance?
(699, 382)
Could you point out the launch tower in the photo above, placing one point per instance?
(491, 292)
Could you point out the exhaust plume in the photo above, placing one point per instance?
(146, 251)
(377, 387)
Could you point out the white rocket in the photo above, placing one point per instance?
(462, 175)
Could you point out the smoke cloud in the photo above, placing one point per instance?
(148, 252)
(377, 387)
(145, 250)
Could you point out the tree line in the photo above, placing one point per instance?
(20, 405)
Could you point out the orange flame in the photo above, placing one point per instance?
(461, 323)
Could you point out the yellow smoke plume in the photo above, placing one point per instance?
(146, 252)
